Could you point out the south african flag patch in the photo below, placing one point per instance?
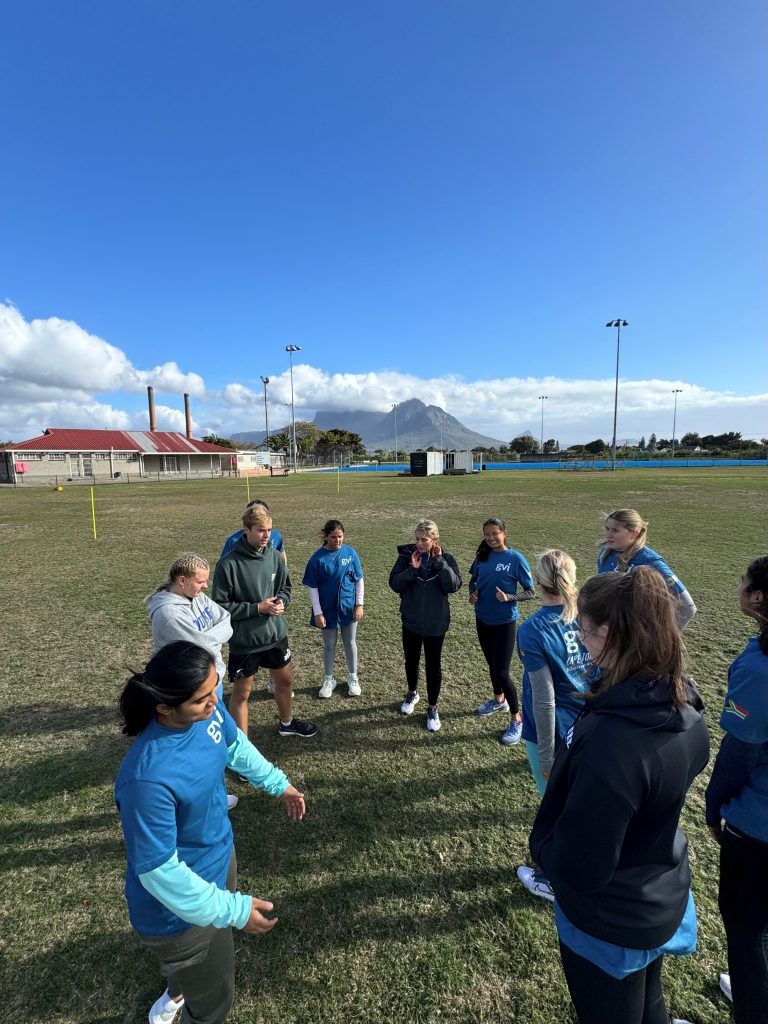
(732, 708)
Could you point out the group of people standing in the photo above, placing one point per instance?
(612, 726)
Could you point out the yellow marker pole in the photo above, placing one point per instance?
(248, 487)
(93, 514)
(338, 478)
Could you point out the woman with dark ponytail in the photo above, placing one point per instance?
(606, 834)
(181, 873)
(737, 810)
(493, 580)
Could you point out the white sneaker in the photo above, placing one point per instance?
(536, 883)
(164, 1009)
(329, 685)
(410, 702)
(725, 986)
(433, 720)
(232, 801)
(353, 686)
(679, 1020)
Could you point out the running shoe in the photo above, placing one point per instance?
(535, 882)
(410, 702)
(491, 707)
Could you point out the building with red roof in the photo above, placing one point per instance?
(99, 455)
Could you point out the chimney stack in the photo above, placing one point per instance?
(187, 416)
(151, 401)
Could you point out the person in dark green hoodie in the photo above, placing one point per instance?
(253, 584)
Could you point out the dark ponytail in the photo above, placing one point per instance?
(481, 555)
(757, 574)
(171, 677)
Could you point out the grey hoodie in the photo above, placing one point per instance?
(199, 620)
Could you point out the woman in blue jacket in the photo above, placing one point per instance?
(181, 873)
(424, 575)
(607, 832)
(738, 795)
(494, 577)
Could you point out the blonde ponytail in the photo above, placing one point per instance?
(556, 573)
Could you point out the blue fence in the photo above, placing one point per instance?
(399, 467)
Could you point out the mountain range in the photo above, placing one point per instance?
(416, 425)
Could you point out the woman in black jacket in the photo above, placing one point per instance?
(607, 834)
(424, 575)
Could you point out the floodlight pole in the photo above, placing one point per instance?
(542, 399)
(265, 381)
(676, 392)
(618, 324)
(290, 349)
(394, 409)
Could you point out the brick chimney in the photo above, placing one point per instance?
(187, 416)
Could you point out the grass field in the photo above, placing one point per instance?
(397, 896)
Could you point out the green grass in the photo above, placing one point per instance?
(397, 896)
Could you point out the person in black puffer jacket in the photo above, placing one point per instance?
(424, 575)
(607, 833)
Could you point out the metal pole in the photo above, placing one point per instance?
(676, 392)
(395, 410)
(290, 349)
(616, 397)
(542, 399)
(618, 324)
(265, 381)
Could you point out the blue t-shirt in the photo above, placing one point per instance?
(275, 540)
(334, 574)
(620, 961)
(544, 641)
(645, 556)
(171, 797)
(503, 569)
(745, 717)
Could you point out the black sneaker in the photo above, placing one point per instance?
(297, 728)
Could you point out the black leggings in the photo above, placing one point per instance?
(498, 646)
(433, 646)
(600, 999)
(744, 908)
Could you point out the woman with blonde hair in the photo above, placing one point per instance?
(555, 668)
(180, 610)
(424, 575)
(607, 832)
(624, 547)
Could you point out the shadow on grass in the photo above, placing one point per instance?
(53, 717)
(46, 777)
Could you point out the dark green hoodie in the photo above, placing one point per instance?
(243, 578)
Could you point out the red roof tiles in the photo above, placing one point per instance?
(162, 442)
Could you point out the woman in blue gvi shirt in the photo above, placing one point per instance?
(181, 873)
(494, 576)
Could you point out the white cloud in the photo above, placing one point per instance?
(51, 372)
(61, 356)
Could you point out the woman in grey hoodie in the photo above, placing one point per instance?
(179, 610)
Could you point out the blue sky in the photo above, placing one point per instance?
(444, 200)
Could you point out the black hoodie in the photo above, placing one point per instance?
(606, 834)
(424, 596)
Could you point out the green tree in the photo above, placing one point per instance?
(224, 442)
(690, 440)
(596, 447)
(551, 445)
(651, 446)
(279, 442)
(641, 443)
(524, 444)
